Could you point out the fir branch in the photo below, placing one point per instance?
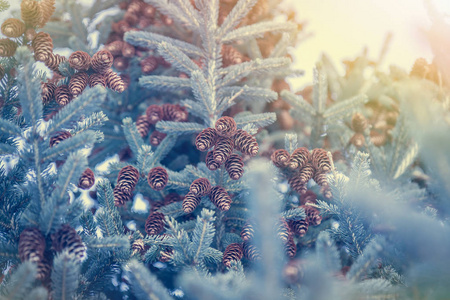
(203, 92)
(177, 58)
(6, 127)
(144, 159)
(367, 260)
(239, 11)
(19, 284)
(407, 160)
(111, 243)
(38, 293)
(180, 13)
(248, 93)
(7, 149)
(144, 284)
(164, 83)
(92, 122)
(195, 108)
(290, 142)
(133, 137)
(170, 127)
(180, 240)
(87, 138)
(344, 108)
(294, 214)
(258, 120)
(280, 48)
(64, 276)
(203, 235)
(152, 40)
(257, 31)
(163, 149)
(109, 219)
(298, 103)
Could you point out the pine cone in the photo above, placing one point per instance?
(234, 251)
(226, 127)
(299, 158)
(296, 184)
(48, 92)
(231, 56)
(206, 139)
(359, 123)
(210, 162)
(78, 82)
(120, 196)
(44, 269)
(299, 227)
(43, 46)
(121, 27)
(220, 198)
(149, 64)
(154, 223)
(102, 61)
(200, 187)
(166, 255)
(87, 179)
(47, 8)
(280, 158)
(154, 113)
(247, 232)
(321, 179)
(127, 179)
(320, 160)
(80, 61)
(306, 173)
(13, 28)
(158, 178)
(31, 12)
(63, 95)
(290, 247)
(131, 18)
(97, 79)
(358, 140)
(7, 48)
(223, 149)
(128, 50)
(245, 143)
(156, 138)
(234, 166)
(282, 229)
(190, 202)
(115, 48)
(138, 246)
(121, 63)
(135, 7)
(250, 251)
(53, 62)
(31, 245)
(174, 113)
(312, 215)
(309, 196)
(114, 82)
(143, 125)
(67, 238)
(59, 137)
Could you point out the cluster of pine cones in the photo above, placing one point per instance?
(380, 124)
(128, 178)
(225, 137)
(202, 187)
(32, 247)
(156, 113)
(301, 166)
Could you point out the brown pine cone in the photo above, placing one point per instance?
(245, 143)
(80, 60)
(67, 238)
(143, 125)
(290, 247)
(7, 48)
(120, 197)
(48, 92)
(190, 202)
(359, 123)
(138, 246)
(309, 196)
(174, 113)
(299, 158)
(223, 149)
(200, 187)
(220, 198)
(299, 227)
(97, 79)
(250, 251)
(53, 62)
(121, 27)
(156, 138)
(44, 269)
(59, 137)
(158, 178)
(78, 82)
(131, 18)
(115, 47)
(128, 50)
(296, 184)
(166, 255)
(206, 139)
(312, 215)
(247, 232)
(31, 245)
(127, 179)
(282, 229)
(306, 173)
(231, 56)
(102, 61)
(210, 162)
(320, 160)
(63, 95)
(280, 158)
(114, 82)
(321, 179)
(234, 166)
(234, 251)
(149, 64)
(43, 46)
(154, 113)
(47, 9)
(121, 63)
(226, 127)
(154, 223)
(31, 12)
(13, 28)
(87, 179)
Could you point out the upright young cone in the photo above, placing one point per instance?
(13, 28)
(154, 223)
(31, 245)
(220, 198)
(233, 251)
(158, 178)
